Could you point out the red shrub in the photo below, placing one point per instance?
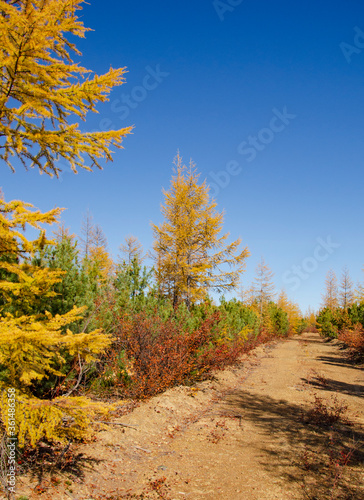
(354, 340)
(161, 354)
(158, 354)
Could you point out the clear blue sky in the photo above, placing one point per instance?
(266, 100)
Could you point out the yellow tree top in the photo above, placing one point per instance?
(41, 87)
(330, 297)
(191, 256)
(292, 309)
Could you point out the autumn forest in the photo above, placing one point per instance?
(81, 330)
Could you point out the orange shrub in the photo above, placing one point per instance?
(354, 340)
(151, 354)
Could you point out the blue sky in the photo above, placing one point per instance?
(265, 97)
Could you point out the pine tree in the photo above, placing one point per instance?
(191, 258)
(346, 294)
(131, 281)
(330, 297)
(41, 87)
(72, 290)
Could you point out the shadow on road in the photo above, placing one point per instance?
(340, 361)
(331, 385)
(308, 455)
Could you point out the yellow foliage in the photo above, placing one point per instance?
(33, 346)
(30, 280)
(100, 257)
(224, 336)
(245, 332)
(37, 346)
(292, 309)
(14, 216)
(41, 87)
(191, 257)
(61, 419)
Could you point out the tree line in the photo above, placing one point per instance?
(341, 315)
(76, 327)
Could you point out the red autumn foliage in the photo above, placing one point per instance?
(354, 341)
(159, 354)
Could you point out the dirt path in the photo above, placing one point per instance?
(242, 436)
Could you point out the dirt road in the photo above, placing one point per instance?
(245, 435)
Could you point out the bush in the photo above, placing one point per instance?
(151, 354)
(354, 341)
(325, 413)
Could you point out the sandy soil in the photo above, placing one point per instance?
(244, 435)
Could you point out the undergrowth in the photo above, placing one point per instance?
(326, 413)
(152, 354)
(354, 341)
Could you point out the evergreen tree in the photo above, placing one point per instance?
(131, 282)
(74, 288)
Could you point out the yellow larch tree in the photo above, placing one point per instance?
(99, 257)
(330, 297)
(41, 87)
(42, 95)
(131, 249)
(191, 256)
(33, 343)
(346, 294)
(263, 285)
(292, 309)
(94, 244)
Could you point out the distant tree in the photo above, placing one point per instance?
(131, 249)
(326, 322)
(41, 87)
(294, 314)
(63, 232)
(191, 258)
(99, 257)
(346, 294)
(263, 285)
(359, 293)
(310, 316)
(330, 297)
(279, 321)
(99, 238)
(247, 295)
(87, 233)
(131, 280)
